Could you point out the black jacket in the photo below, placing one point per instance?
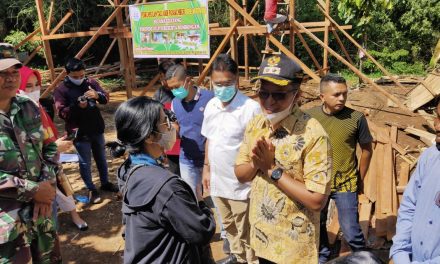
(163, 221)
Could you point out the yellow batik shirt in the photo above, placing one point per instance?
(283, 230)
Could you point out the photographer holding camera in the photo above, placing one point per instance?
(76, 101)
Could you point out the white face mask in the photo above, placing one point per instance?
(77, 82)
(168, 139)
(35, 95)
(275, 118)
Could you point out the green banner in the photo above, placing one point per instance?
(177, 29)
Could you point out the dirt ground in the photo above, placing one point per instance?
(103, 243)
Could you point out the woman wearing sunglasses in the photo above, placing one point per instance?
(164, 221)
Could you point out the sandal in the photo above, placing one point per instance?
(82, 227)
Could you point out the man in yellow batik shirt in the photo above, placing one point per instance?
(287, 156)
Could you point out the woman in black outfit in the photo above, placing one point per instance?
(164, 221)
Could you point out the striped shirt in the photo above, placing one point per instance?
(345, 129)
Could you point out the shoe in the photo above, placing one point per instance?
(94, 197)
(226, 248)
(109, 187)
(82, 227)
(229, 260)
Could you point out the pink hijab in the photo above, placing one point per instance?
(25, 73)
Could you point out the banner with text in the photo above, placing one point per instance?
(170, 29)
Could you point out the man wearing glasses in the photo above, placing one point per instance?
(286, 155)
(27, 174)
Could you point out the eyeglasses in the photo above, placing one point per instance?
(167, 122)
(277, 96)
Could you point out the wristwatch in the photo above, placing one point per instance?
(276, 174)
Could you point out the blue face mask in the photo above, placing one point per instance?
(225, 93)
(181, 92)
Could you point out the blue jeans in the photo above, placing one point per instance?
(93, 145)
(347, 205)
(191, 175)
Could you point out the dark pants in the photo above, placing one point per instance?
(347, 205)
(86, 147)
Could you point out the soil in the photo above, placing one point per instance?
(103, 242)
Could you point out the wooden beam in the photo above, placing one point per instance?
(26, 39)
(359, 46)
(246, 47)
(49, 19)
(341, 45)
(315, 61)
(83, 50)
(233, 40)
(32, 55)
(150, 85)
(353, 68)
(292, 16)
(272, 39)
(217, 52)
(106, 55)
(46, 44)
(123, 55)
(62, 21)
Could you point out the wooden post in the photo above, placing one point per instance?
(233, 40)
(353, 68)
(131, 65)
(327, 23)
(200, 62)
(272, 39)
(292, 16)
(84, 48)
(359, 46)
(217, 52)
(46, 43)
(123, 54)
(246, 47)
(32, 55)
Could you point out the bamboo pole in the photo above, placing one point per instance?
(106, 55)
(46, 43)
(353, 68)
(84, 49)
(272, 39)
(335, 24)
(217, 52)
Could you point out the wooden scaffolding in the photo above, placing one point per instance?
(243, 27)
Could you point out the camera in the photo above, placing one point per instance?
(90, 102)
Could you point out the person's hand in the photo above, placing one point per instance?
(64, 145)
(263, 155)
(91, 94)
(45, 193)
(83, 104)
(42, 210)
(206, 178)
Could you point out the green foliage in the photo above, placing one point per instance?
(397, 62)
(16, 36)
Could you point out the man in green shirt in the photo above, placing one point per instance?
(346, 128)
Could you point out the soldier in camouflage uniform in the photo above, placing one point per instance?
(27, 175)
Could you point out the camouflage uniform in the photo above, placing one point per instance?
(25, 160)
